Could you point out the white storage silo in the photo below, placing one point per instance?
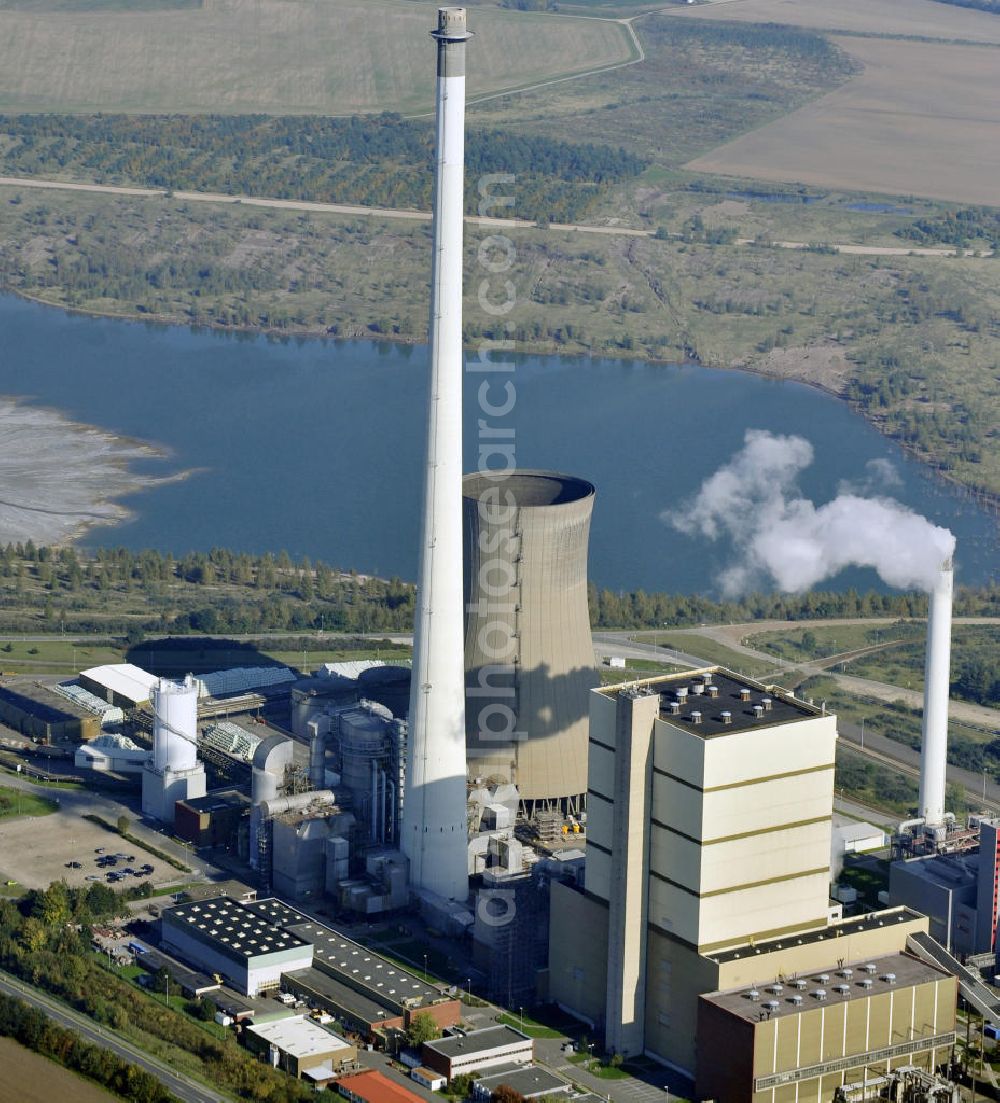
(175, 725)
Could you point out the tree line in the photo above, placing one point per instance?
(222, 591)
(382, 160)
(37, 1032)
(45, 940)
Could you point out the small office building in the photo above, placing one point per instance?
(490, 1048)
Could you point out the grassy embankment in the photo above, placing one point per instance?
(14, 802)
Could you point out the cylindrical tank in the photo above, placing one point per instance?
(175, 724)
(388, 685)
(529, 657)
(365, 744)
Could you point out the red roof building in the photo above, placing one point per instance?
(370, 1086)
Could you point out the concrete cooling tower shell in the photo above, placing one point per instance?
(528, 646)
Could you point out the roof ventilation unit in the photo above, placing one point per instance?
(698, 688)
(799, 983)
(776, 989)
(866, 983)
(842, 989)
(869, 968)
(696, 717)
(674, 708)
(727, 717)
(758, 712)
(767, 703)
(681, 693)
(796, 1000)
(823, 978)
(753, 995)
(847, 972)
(888, 978)
(713, 691)
(744, 694)
(771, 1005)
(820, 994)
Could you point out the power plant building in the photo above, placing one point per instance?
(800, 1039)
(708, 868)
(529, 656)
(223, 936)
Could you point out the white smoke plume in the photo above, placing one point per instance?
(781, 536)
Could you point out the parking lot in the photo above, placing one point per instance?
(34, 852)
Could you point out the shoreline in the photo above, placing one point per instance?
(986, 500)
(61, 477)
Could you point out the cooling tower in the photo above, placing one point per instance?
(529, 657)
(434, 833)
(937, 686)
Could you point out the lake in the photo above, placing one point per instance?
(315, 446)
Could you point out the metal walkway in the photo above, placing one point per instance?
(978, 995)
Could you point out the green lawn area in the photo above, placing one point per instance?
(56, 656)
(530, 1026)
(710, 651)
(14, 802)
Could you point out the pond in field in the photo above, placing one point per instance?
(315, 446)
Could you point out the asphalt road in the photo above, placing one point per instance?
(182, 1086)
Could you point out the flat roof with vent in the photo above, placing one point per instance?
(713, 701)
(833, 984)
(232, 928)
(388, 983)
(478, 1041)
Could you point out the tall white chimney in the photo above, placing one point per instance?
(434, 834)
(937, 685)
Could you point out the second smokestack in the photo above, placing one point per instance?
(937, 688)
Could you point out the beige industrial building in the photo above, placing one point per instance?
(710, 803)
(794, 1041)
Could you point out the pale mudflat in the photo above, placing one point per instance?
(59, 478)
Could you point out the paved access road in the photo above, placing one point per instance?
(186, 1089)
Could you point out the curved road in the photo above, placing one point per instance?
(183, 1087)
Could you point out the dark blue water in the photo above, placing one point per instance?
(315, 447)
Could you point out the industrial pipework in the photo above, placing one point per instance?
(434, 834)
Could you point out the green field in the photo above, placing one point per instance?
(271, 56)
(804, 644)
(14, 802)
(712, 653)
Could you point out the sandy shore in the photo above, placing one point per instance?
(59, 477)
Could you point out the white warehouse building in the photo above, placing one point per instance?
(222, 936)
